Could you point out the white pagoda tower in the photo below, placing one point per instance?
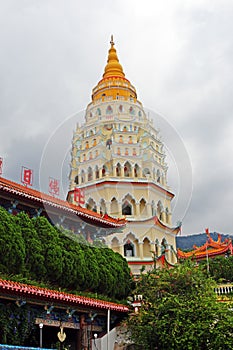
(118, 161)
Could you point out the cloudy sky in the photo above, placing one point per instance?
(178, 55)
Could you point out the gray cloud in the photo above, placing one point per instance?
(177, 54)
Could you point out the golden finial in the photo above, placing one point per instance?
(112, 42)
(113, 67)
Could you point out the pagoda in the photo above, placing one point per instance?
(118, 163)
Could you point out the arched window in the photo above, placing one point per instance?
(120, 139)
(134, 152)
(126, 208)
(158, 176)
(87, 144)
(146, 172)
(130, 139)
(143, 210)
(127, 169)
(96, 153)
(94, 143)
(118, 169)
(97, 174)
(128, 249)
(109, 110)
(82, 176)
(125, 129)
(76, 180)
(153, 210)
(131, 110)
(102, 207)
(136, 170)
(98, 111)
(104, 169)
(120, 108)
(90, 155)
(164, 246)
(146, 248)
(159, 209)
(115, 245)
(89, 174)
(91, 205)
(126, 151)
(118, 151)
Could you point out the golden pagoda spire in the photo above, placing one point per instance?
(113, 84)
(113, 67)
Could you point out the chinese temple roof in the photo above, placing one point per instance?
(9, 288)
(16, 190)
(211, 248)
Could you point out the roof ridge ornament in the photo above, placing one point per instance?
(112, 42)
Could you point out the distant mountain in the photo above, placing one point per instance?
(187, 242)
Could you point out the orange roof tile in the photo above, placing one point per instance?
(25, 290)
(43, 198)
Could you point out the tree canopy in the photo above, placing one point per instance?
(36, 250)
(180, 311)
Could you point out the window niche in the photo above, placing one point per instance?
(126, 208)
(129, 249)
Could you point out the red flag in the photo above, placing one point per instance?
(79, 195)
(1, 164)
(54, 188)
(26, 176)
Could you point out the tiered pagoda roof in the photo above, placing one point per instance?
(211, 248)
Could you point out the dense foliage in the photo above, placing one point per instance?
(220, 268)
(180, 311)
(39, 251)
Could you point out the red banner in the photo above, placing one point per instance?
(1, 165)
(26, 176)
(79, 195)
(54, 188)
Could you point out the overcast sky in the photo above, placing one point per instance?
(178, 55)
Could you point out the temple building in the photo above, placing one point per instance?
(118, 165)
(210, 249)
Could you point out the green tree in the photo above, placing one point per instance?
(34, 259)
(92, 269)
(221, 268)
(73, 264)
(180, 311)
(51, 248)
(12, 248)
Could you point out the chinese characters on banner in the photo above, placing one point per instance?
(79, 195)
(26, 176)
(1, 165)
(54, 188)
